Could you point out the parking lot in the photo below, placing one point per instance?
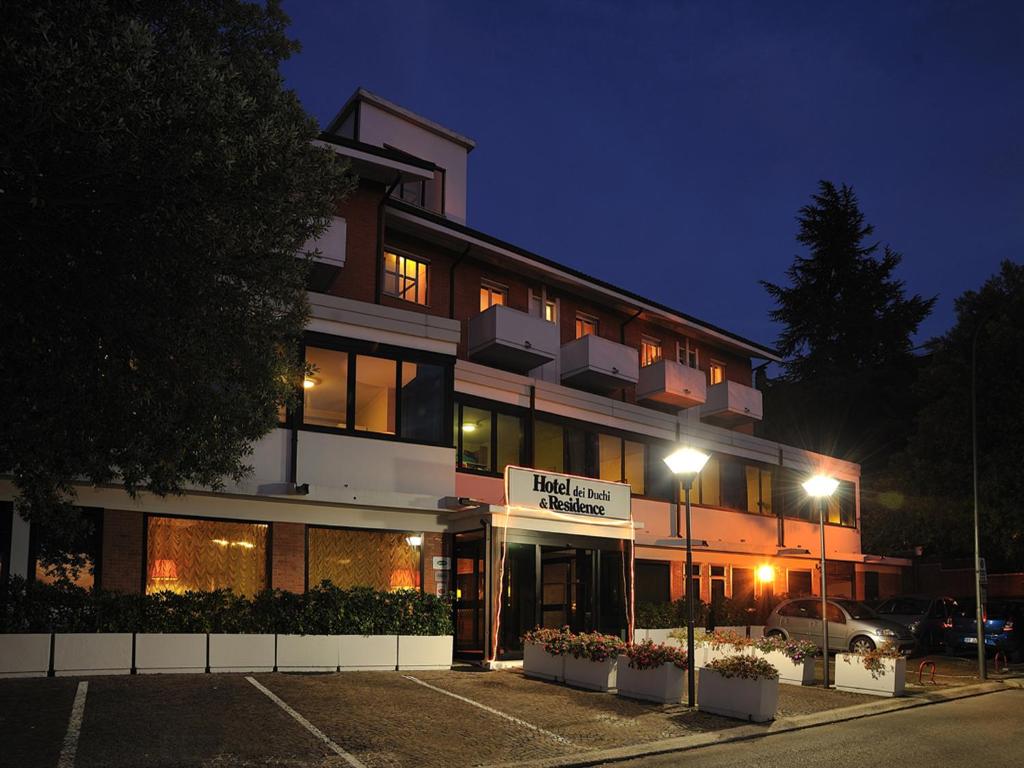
(373, 719)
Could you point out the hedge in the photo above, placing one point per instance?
(323, 610)
(723, 612)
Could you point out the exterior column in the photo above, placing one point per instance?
(123, 547)
(288, 557)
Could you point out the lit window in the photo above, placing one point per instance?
(488, 441)
(383, 560)
(185, 555)
(325, 390)
(688, 354)
(716, 373)
(405, 277)
(650, 351)
(585, 326)
(551, 311)
(375, 394)
(492, 295)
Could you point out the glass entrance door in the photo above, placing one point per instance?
(567, 588)
(469, 594)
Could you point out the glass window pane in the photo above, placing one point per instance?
(609, 455)
(734, 489)
(476, 439)
(510, 441)
(422, 402)
(710, 485)
(324, 391)
(635, 466)
(766, 492)
(753, 478)
(547, 450)
(203, 555)
(375, 394)
(576, 452)
(384, 560)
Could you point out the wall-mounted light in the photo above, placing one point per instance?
(765, 574)
(309, 382)
(414, 541)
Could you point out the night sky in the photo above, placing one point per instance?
(667, 146)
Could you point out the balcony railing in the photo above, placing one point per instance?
(730, 403)
(672, 383)
(506, 338)
(598, 364)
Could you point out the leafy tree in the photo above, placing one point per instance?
(938, 512)
(156, 183)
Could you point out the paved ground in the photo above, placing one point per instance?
(373, 719)
(985, 730)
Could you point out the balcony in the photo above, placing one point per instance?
(672, 383)
(730, 404)
(511, 340)
(598, 364)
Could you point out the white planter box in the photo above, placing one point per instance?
(593, 675)
(662, 636)
(790, 672)
(711, 653)
(540, 664)
(180, 653)
(368, 652)
(756, 631)
(425, 652)
(106, 653)
(307, 653)
(753, 700)
(241, 653)
(852, 676)
(741, 631)
(663, 684)
(24, 655)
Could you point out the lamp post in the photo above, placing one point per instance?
(820, 487)
(978, 610)
(686, 464)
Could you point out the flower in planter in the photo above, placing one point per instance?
(594, 646)
(555, 641)
(795, 650)
(874, 661)
(651, 655)
(744, 667)
(737, 641)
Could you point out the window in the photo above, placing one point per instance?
(576, 450)
(652, 582)
(840, 509)
(688, 353)
(735, 484)
(650, 351)
(405, 277)
(85, 545)
(381, 395)
(491, 295)
(634, 465)
(695, 580)
(383, 560)
(585, 325)
(325, 390)
(743, 585)
(759, 489)
(202, 555)
(716, 373)
(551, 311)
(548, 449)
(609, 449)
(486, 440)
(411, 192)
(718, 588)
(799, 582)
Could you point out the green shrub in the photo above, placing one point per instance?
(669, 615)
(324, 610)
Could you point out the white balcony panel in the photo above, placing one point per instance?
(672, 383)
(511, 340)
(598, 364)
(730, 403)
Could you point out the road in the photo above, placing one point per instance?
(981, 730)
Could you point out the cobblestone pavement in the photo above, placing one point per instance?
(380, 719)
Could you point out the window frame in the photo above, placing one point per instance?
(356, 347)
(400, 253)
(712, 365)
(583, 318)
(493, 288)
(493, 408)
(683, 350)
(305, 539)
(650, 342)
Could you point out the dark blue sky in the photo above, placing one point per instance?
(666, 146)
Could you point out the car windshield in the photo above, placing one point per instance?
(993, 610)
(857, 610)
(904, 606)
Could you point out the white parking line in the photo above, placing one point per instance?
(70, 747)
(350, 759)
(510, 718)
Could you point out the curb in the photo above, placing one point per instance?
(749, 732)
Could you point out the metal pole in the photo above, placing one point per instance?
(690, 671)
(824, 593)
(978, 612)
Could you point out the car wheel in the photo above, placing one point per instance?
(775, 633)
(861, 644)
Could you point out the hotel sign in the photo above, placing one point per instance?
(566, 494)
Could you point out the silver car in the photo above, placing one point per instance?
(851, 625)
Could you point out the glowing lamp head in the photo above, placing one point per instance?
(414, 541)
(309, 382)
(765, 574)
(686, 461)
(469, 427)
(821, 486)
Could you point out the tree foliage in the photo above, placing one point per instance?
(156, 183)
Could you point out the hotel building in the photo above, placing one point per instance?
(444, 355)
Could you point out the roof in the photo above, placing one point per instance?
(756, 349)
(361, 94)
(388, 153)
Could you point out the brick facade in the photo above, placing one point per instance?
(288, 557)
(122, 551)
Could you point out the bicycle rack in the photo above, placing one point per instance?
(920, 671)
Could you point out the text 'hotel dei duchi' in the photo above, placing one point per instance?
(480, 413)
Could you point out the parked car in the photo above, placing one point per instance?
(851, 625)
(1004, 623)
(926, 617)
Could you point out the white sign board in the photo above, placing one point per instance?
(442, 563)
(566, 494)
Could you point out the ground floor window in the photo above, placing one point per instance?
(743, 585)
(799, 583)
(184, 554)
(348, 557)
(75, 558)
(652, 582)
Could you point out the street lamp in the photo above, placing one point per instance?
(820, 487)
(686, 464)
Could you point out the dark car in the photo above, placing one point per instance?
(926, 617)
(1004, 623)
